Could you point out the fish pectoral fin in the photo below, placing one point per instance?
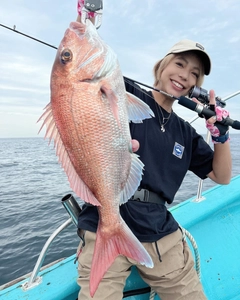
(134, 179)
(107, 248)
(137, 109)
(113, 101)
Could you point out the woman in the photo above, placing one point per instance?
(169, 147)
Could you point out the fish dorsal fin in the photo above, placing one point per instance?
(134, 179)
(137, 109)
(76, 183)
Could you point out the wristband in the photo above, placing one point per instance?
(221, 139)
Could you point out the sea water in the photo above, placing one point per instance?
(32, 184)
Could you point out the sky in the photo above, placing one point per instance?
(140, 32)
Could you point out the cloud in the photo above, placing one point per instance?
(139, 34)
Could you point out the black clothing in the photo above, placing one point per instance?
(167, 157)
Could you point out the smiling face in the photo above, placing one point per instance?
(179, 73)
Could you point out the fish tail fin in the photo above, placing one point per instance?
(107, 248)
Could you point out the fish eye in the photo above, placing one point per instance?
(66, 55)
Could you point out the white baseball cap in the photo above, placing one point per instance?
(188, 45)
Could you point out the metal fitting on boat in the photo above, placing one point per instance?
(71, 207)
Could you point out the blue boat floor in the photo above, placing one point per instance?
(215, 224)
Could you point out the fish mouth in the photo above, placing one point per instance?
(76, 25)
(89, 33)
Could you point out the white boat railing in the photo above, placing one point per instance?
(34, 279)
(73, 210)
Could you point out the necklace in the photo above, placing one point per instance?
(163, 123)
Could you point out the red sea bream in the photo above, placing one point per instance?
(88, 119)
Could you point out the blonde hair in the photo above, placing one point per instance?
(162, 64)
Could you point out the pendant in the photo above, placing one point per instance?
(162, 128)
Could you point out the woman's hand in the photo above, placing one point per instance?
(219, 132)
(135, 145)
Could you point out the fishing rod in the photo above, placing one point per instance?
(28, 36)
(190, 104)
(184, 101)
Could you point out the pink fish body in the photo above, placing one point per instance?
(88, 119)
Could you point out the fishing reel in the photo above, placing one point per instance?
(202, 96)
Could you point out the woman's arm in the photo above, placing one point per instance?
(222, 160)
(222, 164)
